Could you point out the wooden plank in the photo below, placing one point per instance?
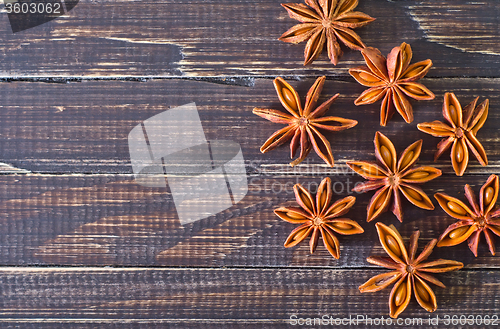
(233, 297)
(97, 220)
(171, 39)
(83, 127)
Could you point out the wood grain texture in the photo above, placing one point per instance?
(230, 297)
(83, 127)
(123, 39)
(82, 245)
(97, 220)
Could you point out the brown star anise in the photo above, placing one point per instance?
(484, 217)
(391, 80)
(303, 124)
(409, 271)
(319, 217)
(325, 21)
(460, 132)
(393, 176)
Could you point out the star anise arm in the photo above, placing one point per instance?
(443, 146)
(333, 47)
(299, 33)
(380, 282)
(333, 123)
(305, 146)
(315, 6)
(409, 156)
(426, 252)
(436, 129)
(273, 115)
(298, 235)
(479, 118)
(344, 226)
(379, 203)
(385, 151)
(314, 46)
(323, 196)
(471, 197)
(488, 194)
(368, 170)
(350, 38)
(313, 95)
(339, 207)
(364, 76)
(341, 6)
(424, 294)
(313, 242)
(468, 112)
(376, 62)
(416, 71)
(402, 105)
(292, 215)
(353, 19)
(440, 266)
(416, 90)
(321, 110)
(490, 241)
(384, 261)
(386, 108)
(278, 138)
(454, 207)
(476, 148)
(430, 278)
(304, 199)
(476, 116)
(369, 185)
(416, 196)
(412, 248)
(420, 175)
(473, 242)
(398, 60)
(288, 97)
(397, 208)
(321, 145)
(456, 233)
(400, 296)
(452, 110)
(301, 13)
(459, 156)
(392, 243)
(371, 95)
(331, 242)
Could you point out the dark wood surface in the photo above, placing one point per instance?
(83, 246)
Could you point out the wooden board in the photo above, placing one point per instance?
(142, 39)
(208, 298)
(82, 245)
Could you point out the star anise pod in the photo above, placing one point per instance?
(482, 218)
(409, 272)
(393, 176)
(325, 21)
(319, 217)
(391, 80)
(460, 131)
(303, 124)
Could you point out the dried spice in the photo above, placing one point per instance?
(409, 272)
(393, 176)
(303, 124)
(391, 80)
(460, 132)
(319, 217)
(482, 218)
(325, 21)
